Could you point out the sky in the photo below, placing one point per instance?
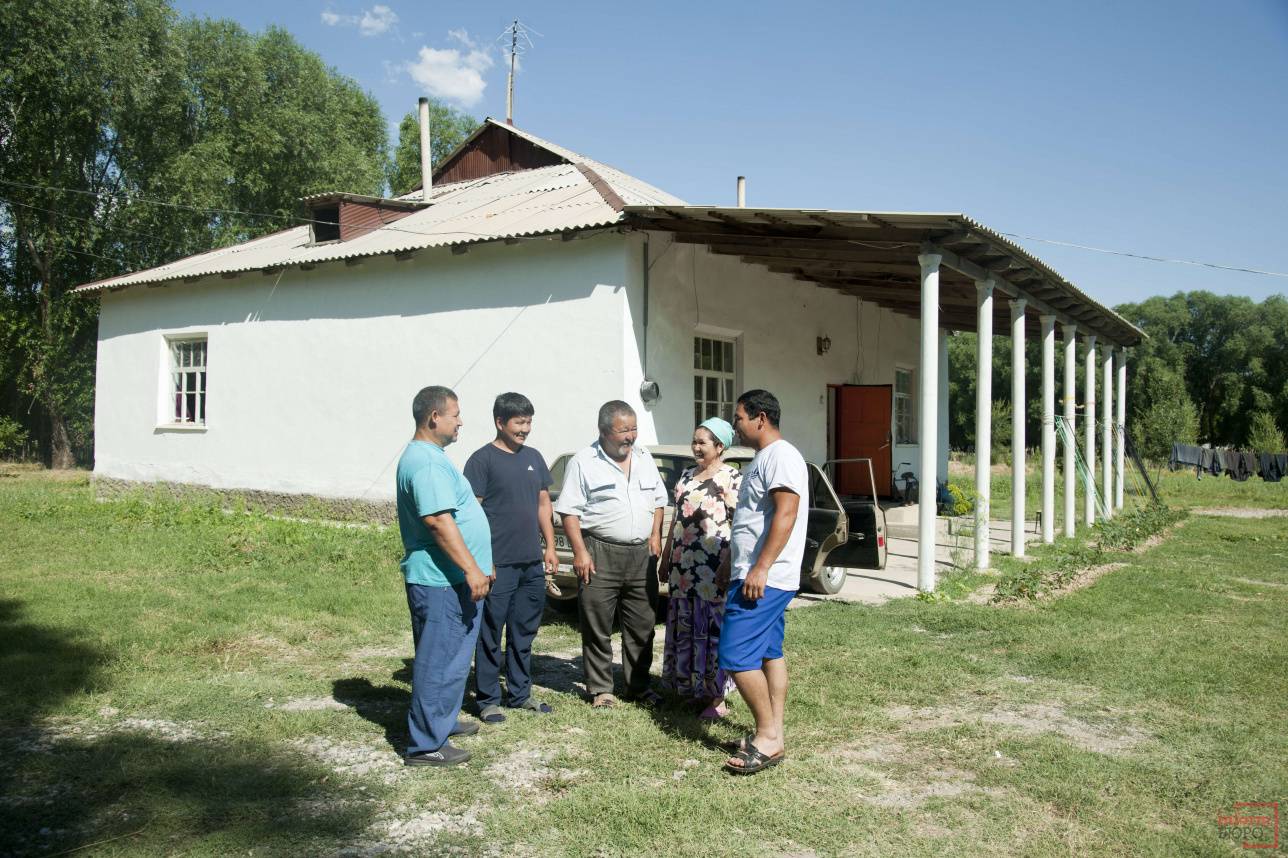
(1156, 128)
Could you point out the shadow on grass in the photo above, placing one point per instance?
(70, 784)
(383, 705)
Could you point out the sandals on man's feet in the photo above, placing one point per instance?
(533, 706)
(753, 760)
(648, 698)
(491, 714)
(603, 700)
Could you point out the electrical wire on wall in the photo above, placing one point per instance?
(858, 354)
(693, 275)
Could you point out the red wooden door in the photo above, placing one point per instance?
(863, 430)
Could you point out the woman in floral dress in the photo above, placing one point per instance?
(705, 497)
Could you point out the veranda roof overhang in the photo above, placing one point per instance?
(873, 256)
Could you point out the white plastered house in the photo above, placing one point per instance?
(287, 364)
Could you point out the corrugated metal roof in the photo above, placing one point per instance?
(508, 205)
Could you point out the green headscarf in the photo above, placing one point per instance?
(721, 429)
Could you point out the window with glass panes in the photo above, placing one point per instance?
(188, 378)
(905, 427)
(713, 378)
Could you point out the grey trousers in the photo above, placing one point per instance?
(623, 585)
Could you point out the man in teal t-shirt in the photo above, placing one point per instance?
(447, 566)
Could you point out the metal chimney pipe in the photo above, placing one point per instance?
(742, 192)
(426, 167)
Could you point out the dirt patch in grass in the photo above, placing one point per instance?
(308, 704)
(352, 759)
(1240, 512)
(1029, 718)
(408, 829)
(529, 773)
(1255, 583)
(892, 774)
(110, 722)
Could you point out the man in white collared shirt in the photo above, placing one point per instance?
(611, 505)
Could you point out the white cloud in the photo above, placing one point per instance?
(376, 20)
(452, 74)
(332, 19)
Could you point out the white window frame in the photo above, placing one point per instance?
(172, 374)
(910, 403)
(714, 374)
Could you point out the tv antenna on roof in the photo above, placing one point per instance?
(519, 35)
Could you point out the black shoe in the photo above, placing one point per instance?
(444, 756)
(464, 728)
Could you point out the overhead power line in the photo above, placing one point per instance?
(304, 220)
(1148, 258)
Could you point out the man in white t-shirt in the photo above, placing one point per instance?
(767, 548)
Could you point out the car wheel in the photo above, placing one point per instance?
(828, 579)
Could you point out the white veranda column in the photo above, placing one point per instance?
(928, 420)
(1070, 405)
(1048, 428)
(1107, 434)
(1089, 421)
(1017, 426)
(941, 452)
(983, 417)
(1121, 447)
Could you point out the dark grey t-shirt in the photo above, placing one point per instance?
(510, 484)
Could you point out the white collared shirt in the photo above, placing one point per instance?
(608, 504)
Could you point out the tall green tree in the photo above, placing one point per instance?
(448, 127)
(109, 107)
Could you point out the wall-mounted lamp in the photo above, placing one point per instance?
(822, 344)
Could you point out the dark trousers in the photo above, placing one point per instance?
(514, 605)
(624, 586)
(444, 626)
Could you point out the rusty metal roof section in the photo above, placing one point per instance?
(873, 256)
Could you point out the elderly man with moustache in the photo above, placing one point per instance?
(611, 504)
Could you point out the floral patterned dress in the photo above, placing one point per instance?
(699, 544)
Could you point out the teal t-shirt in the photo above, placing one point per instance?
(428, 483)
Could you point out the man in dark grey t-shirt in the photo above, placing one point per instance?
(512, 483)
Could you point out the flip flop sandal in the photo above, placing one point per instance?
(491, 715)
(603, 701)
(531, 705)
(754, 761)
(649, 699)
(739, 745)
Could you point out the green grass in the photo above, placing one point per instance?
(162, 668)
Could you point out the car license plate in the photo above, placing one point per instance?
(561, 541)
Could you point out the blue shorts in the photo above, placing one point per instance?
(752, 632)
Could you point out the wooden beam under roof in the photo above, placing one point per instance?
(852, 253)
(905, 244)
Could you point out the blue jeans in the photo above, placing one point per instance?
(515, 604)
(444, 626)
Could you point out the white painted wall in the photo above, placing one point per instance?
(311, 377)
(776, 320)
